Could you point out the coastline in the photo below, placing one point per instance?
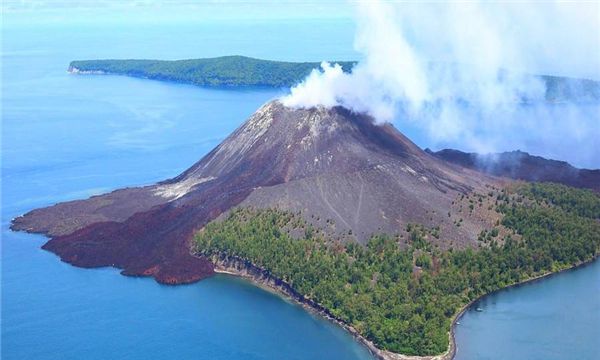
(235, 266)
(76, 71)
(534, 279)
(250, 87)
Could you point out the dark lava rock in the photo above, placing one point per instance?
(523, 166)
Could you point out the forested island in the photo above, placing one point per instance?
(225, 71)
(241, 71)
(399, 291)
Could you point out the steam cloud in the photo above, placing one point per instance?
(462, 70)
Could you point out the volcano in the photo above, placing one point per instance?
(341, 171)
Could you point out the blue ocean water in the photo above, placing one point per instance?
(67, 137)
(553, 318)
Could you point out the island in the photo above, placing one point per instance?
(224, 71)
(345, 216)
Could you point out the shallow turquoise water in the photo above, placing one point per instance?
(68, 137)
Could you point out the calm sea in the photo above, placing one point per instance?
(67, 137)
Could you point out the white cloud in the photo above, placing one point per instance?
(460, 69)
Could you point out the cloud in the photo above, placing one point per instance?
(461, 71)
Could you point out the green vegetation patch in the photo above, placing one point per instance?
(581, 202)
(226, 71)
(403, 299)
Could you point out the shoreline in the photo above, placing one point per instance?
(515, 285)
(235, 266)
(534, 279)
(250, 87)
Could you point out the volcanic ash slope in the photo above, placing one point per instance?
(344, 173)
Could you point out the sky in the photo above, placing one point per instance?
(176, 10)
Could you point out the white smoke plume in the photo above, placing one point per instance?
(460, 70)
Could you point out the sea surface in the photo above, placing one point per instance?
(68, 137)
(552, 318)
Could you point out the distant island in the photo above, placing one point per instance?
(224, 71)
(241, 71)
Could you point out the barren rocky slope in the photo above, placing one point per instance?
(346, 174)
(523, 166)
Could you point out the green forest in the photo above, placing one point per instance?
(226, 71)
(403, 298)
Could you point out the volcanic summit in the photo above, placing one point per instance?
(341, 171)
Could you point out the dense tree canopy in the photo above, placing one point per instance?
(404, 298)
(226, 71)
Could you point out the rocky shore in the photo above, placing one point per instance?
(236, 266)
(74, 70)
